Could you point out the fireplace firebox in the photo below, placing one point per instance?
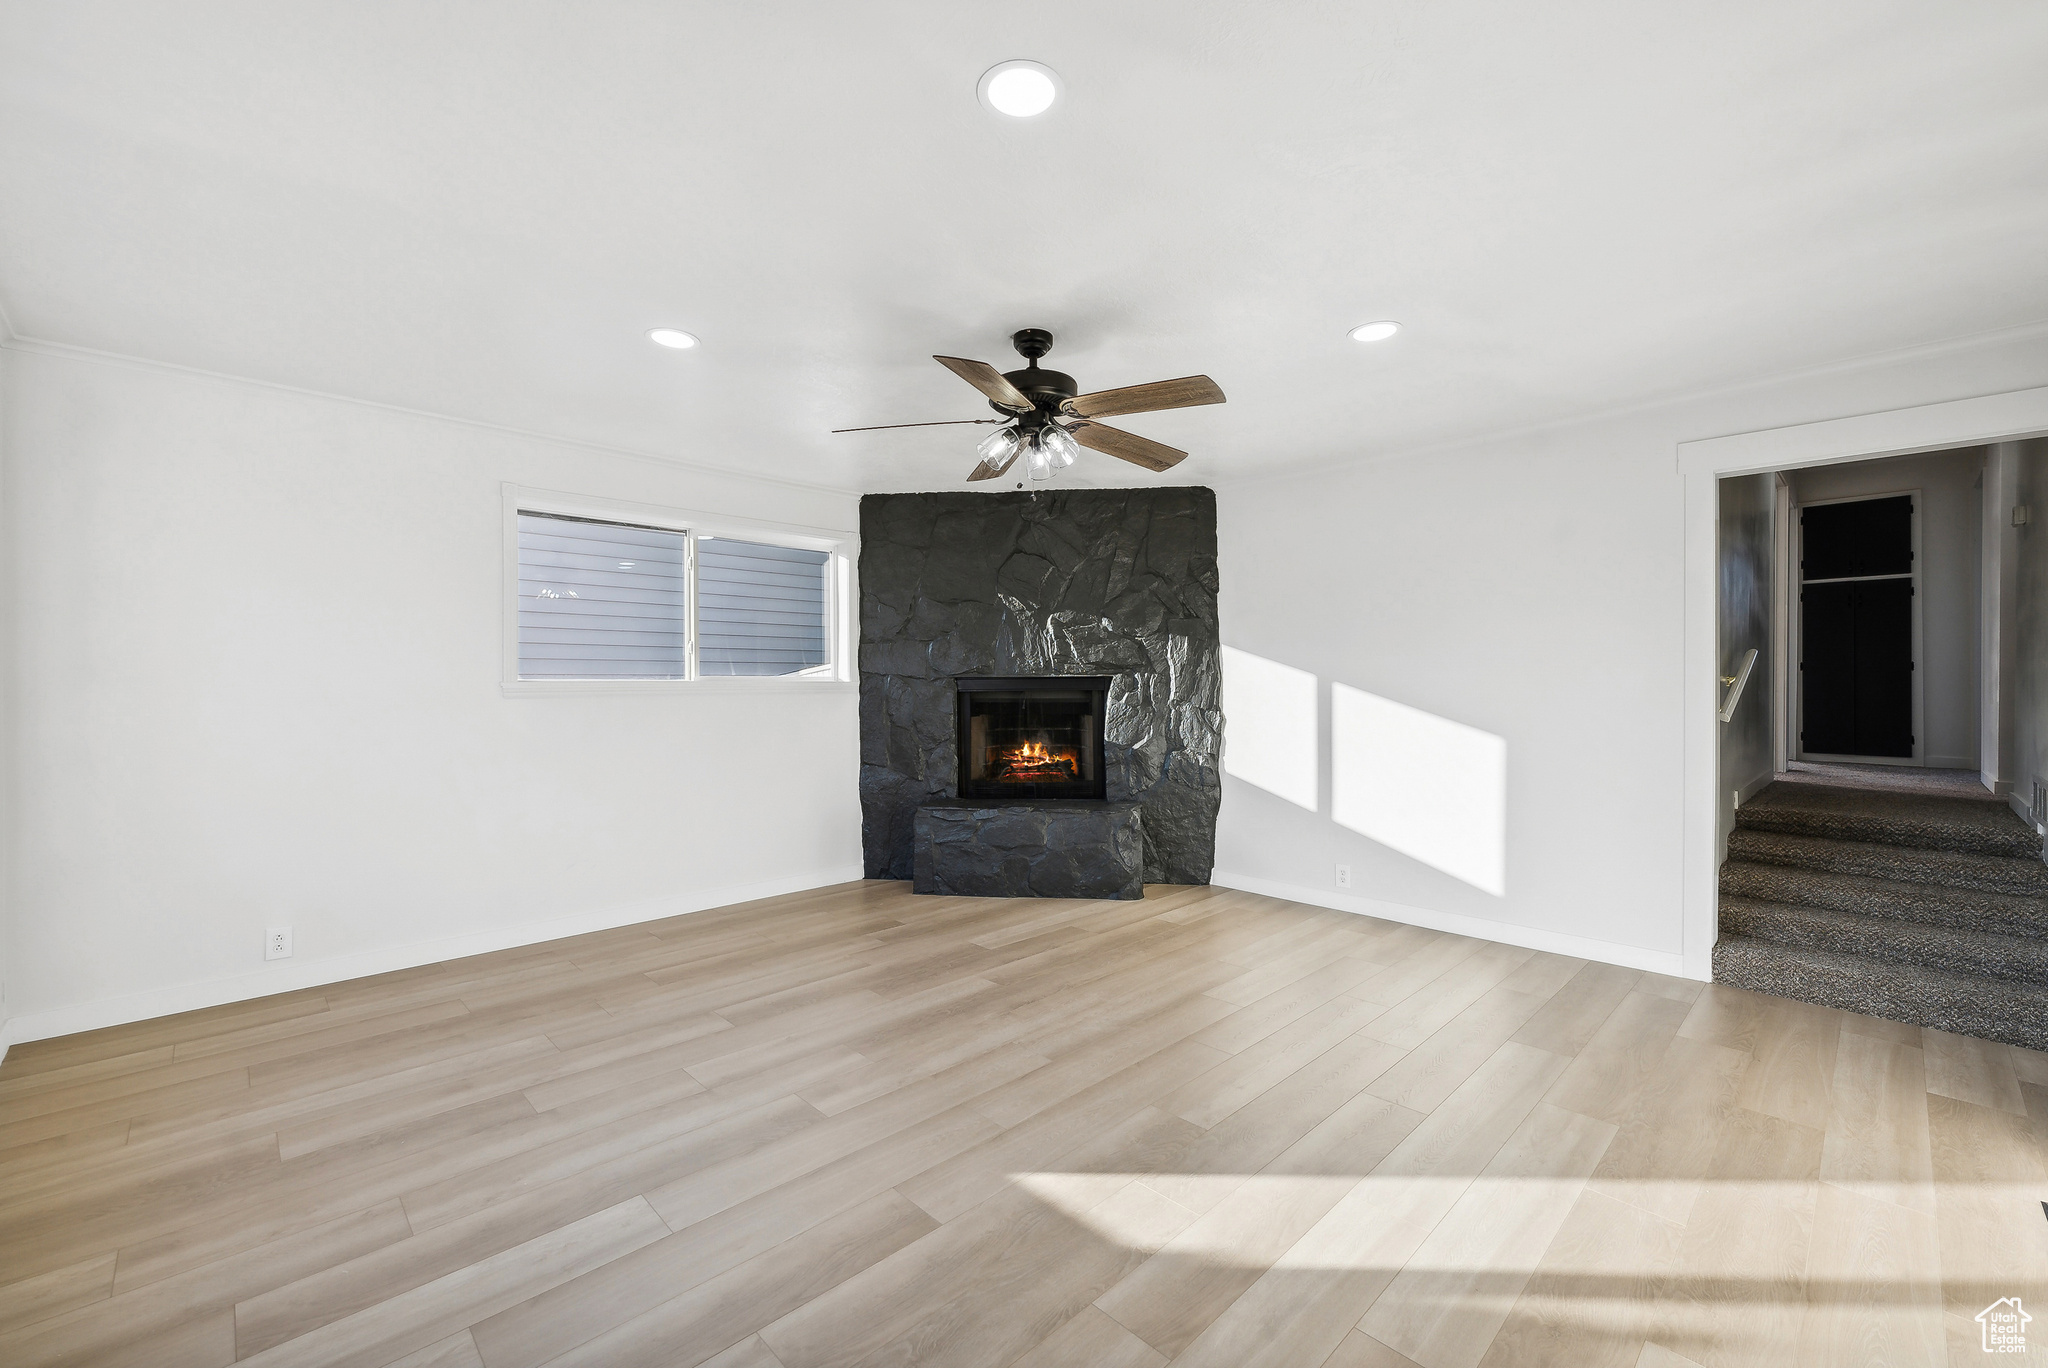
(1031, 738)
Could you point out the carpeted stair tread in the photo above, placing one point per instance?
(1985, 826)
(1964, 909)
(1965, 1004)
(2026, 877)
(1958, 783)
(1904, 942)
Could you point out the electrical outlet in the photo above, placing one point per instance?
(277, 943)
(1343, 876)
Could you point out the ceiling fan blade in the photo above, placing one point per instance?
(1186, 392)
(943, 422)
(1127, 446)
(988, 380)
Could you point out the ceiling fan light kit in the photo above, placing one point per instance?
(1048, 421)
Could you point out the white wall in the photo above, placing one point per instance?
(1951, 516)
(8, 664)
(1747, 590)
(255, 670)
(1527, 588)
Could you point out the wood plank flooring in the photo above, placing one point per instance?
(859, 1127)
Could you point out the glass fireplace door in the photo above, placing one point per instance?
(1031, 738)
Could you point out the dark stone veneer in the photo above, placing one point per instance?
(1115, 582)
(1075, 849)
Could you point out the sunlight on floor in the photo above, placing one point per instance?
(1439, 1263)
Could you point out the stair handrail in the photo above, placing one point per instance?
(1738, 679)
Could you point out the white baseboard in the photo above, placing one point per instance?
(2021, 809)
(2000, 787)
(1507, 933)
(1754, 786)
(286, 978)
(1968, 762)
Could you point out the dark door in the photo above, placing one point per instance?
(1856, 617)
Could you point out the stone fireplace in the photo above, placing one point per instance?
(1070, 590)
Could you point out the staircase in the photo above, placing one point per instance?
(1916, 907)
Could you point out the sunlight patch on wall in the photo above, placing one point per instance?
(1433, 789)
(1271, 713)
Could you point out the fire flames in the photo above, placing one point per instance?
(1034, 762)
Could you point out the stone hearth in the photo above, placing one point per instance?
(1070, 849)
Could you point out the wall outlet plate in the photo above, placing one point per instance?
(1343, 876)
(277, 943)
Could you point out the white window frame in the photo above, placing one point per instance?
(840, 548)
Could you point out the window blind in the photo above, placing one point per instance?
(600, 600)
(760, 609)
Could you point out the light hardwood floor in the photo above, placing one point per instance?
(855, 1126)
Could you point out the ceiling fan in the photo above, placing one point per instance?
(1046, 422)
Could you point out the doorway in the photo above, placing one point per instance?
(1858, 629)
(2006, 419)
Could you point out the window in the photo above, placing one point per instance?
(760, 608)
(602, 598)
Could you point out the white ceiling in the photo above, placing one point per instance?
(478, 208)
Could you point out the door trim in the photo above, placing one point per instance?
(1794, 579)
(1785, 670)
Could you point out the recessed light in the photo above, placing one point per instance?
(671, 337)
(1019, 88)
(1375, 332)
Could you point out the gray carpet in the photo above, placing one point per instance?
(2025, 875)
(1980, 826)
(2017, 1013)
(1899, 778)
(1918, 902)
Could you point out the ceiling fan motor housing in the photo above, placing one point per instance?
(1044, 388)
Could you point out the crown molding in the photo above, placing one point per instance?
(10, 339)
(13, 341)
(1869, 361)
